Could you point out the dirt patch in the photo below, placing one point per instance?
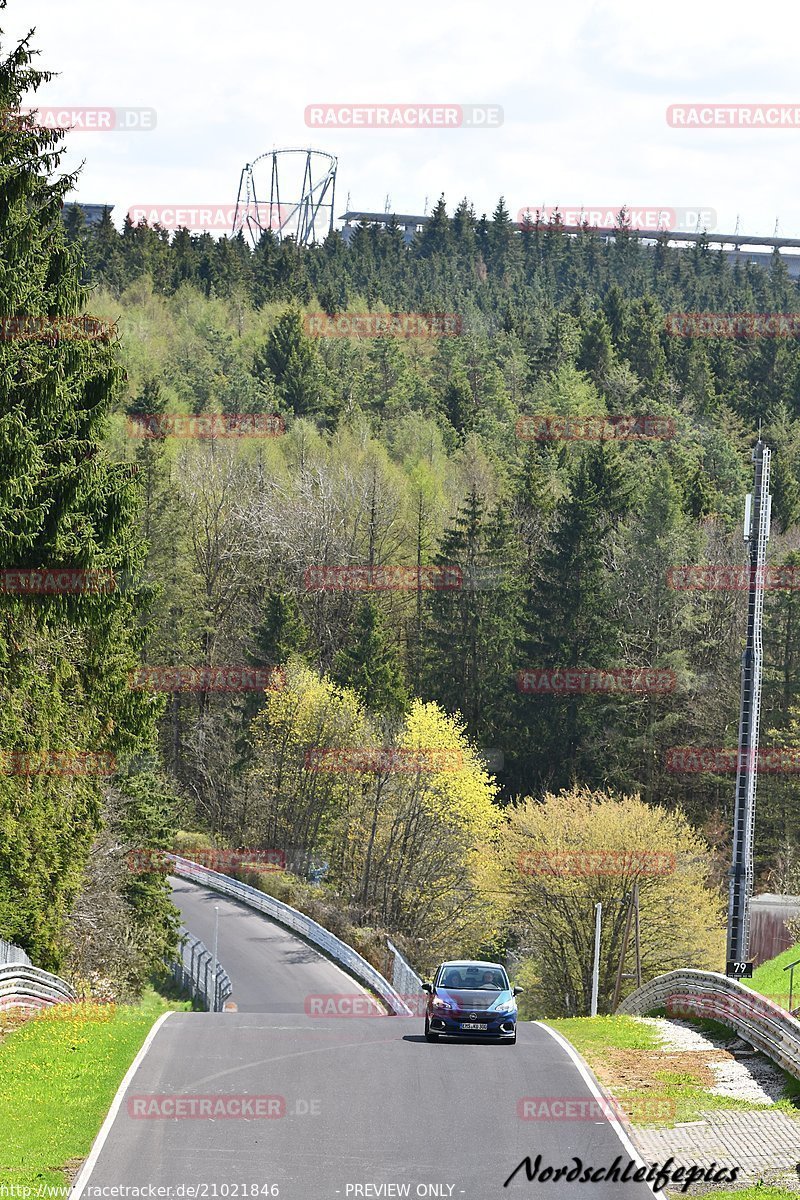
(643, 1070)
(11, 1019)
(71, 1168)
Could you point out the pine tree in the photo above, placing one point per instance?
(596, 355)
(501, 236)
(370, 664)
(436, 236)
(459, 403)
(290, 358)
(472, 627)
(64, 659)
(281, 634)
(643, 347)
(570, 620)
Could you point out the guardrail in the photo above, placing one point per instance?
(405, 979)
(22, 986)
(197, 972)
(706, 994)
(9, 953)
(299, 923)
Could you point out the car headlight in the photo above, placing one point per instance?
(508, 1007)
(437, 1003)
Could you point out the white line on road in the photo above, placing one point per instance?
(586, 1074)
(105, 1129)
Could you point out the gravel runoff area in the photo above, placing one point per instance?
(763, 1142)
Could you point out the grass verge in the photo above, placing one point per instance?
(655, 1086)
(770, 979)
(58, 1075)
(759, 1191)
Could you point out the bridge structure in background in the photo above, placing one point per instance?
(739, 247)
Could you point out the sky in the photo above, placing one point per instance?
(584, 89)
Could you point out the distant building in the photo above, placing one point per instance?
(409, 224)
(768, 932)
(93, 213)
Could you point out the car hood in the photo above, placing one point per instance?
(478, 1000)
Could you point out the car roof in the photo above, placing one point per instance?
(471, 962)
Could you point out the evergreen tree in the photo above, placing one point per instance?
(293, 364)
(65, 659)
(436, 236)
(571, 621)
(473, 626)
(596, 355)
(370, 664)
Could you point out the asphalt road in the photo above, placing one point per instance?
(359, 1106)
(271, 970)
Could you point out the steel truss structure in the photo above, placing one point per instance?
(308, 217)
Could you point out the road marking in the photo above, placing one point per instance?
(594, 1088)
(105, 1128)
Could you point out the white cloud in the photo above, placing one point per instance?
(584, 88)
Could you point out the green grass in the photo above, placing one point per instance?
(759, 1191)
(58, 1076)
(666, 1094)
(589, 1034)
(770, 979)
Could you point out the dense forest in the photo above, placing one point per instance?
(411, 458)
(408, 451)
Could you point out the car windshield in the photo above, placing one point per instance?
(472, 979)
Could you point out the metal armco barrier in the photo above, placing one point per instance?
(405, 979)
(9, 953)
(197, 972)
(705, 994)
(284, 914)
(22, 986)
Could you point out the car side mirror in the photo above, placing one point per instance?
(516, 991)
(427, 987)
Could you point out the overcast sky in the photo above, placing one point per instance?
(584, 89)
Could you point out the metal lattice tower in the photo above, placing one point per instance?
(756, 532)
(308, 216)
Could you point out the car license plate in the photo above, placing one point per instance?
(472, 1025)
